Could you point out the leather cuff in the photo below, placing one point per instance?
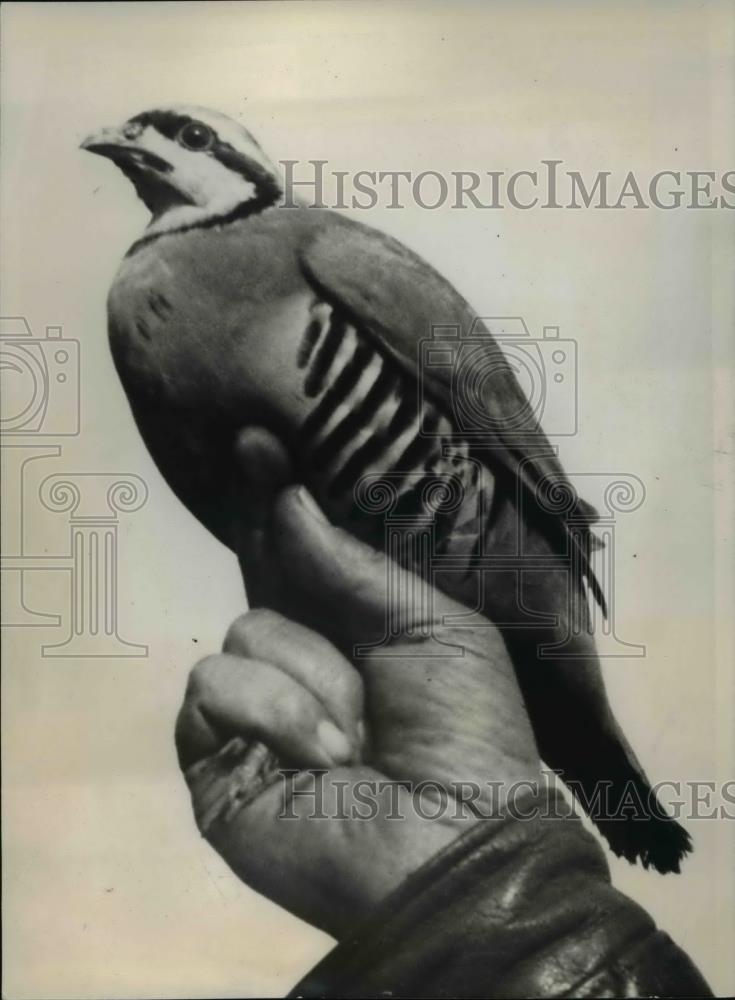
(516, 907)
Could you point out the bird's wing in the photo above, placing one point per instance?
(399, 299)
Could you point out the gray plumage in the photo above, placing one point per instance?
(240, 311)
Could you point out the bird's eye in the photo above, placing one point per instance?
(196, 136)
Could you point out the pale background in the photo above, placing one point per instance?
(108, 891)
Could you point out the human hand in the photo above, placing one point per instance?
(391, 733)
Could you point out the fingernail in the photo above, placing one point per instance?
(334, 741)
(310, 505)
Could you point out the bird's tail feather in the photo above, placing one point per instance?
(626, 810)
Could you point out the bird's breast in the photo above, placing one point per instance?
(193, 320)
(207, 342)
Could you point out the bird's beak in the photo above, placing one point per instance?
(104, 140)
(123, 150)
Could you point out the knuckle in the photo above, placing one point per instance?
(248, 630)
(182, 728)
(200, 678)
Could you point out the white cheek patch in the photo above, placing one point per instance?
(152, 140)
(198, 175)
(209, 183)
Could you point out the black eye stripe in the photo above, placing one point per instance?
(248, 168)
(170, 124)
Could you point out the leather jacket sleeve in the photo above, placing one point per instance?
(513, 908)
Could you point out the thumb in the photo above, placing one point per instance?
(345, 587)
(263, 468)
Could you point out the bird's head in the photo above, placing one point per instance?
(188, 164)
